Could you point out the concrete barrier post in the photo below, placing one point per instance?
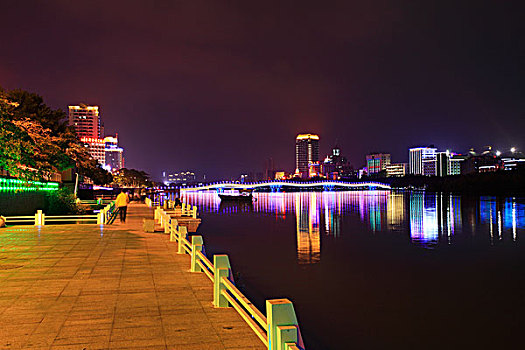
(100, 217)
(183, 231)
(167, 227)
(42, 218)
(194, 212)
(196, 246)
(282, 325)
(37, 218)
(221, 264)
(173, 232)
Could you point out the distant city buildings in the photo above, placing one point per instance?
(178, 178)
(306, 154)
(114, 154)
(396, 170)
(86, 121)
(442, 164)
(96, 148)
(377, 162)
(335, 166)
(455, 161)
(422, 161)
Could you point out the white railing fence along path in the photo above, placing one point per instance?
(40, 219)
(278, 329)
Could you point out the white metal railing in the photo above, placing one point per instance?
(278, 329)
(151, 203)
(104, 216)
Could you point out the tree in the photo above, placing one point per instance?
(36, 140)
(132, 178)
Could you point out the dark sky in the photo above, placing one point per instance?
(219, 86)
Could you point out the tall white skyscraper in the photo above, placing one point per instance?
(422, 161)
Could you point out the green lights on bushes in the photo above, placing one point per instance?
(20, 185)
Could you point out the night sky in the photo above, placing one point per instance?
(219, 86)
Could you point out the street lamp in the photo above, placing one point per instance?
(498, 153)
(513, 149)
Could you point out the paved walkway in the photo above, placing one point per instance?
(86, 287)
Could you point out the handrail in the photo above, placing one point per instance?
(205, 270)
(278, 330)
(254, 326)
(254, 312)
(103, 217)
(206, 261)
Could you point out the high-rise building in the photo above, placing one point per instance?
(455, 162)
(86, 121)
(335, 166)
(442, 164)
(114, 154)
(96, 148)
(422, 161)
(306, 153)
(377, 162)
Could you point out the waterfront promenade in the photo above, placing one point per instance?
(111, 287)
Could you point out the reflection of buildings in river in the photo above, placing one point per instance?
(433, 215)
(308, 235)
(449, 214)
(423, 219)
(395, 210)
(331, 207)
(501, 215)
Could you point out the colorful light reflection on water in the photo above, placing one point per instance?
(431, 219)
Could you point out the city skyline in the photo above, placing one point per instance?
(222, 87)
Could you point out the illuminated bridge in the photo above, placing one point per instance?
(276, 186)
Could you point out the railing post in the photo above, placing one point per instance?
(42, 218)
(173, 232)
(100, 218)
(156, 217)
(282, 324)
(167, 227)
(194, 212)
(196, 245)
(183, 231)
(221, 265)
(37, 217)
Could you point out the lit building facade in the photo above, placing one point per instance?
(306, 153)
(86, 121)
(396, 170)
(377, 162)
(96, 148)
(177, 178)
(455, 164)
(114, 154)
(422, 161)
(442, 164)
(336, 166)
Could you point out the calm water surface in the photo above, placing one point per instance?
(378, 270)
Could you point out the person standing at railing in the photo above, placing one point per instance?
(122, 204)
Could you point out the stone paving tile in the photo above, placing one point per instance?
(86, 287)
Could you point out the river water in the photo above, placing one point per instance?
(379, 269)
